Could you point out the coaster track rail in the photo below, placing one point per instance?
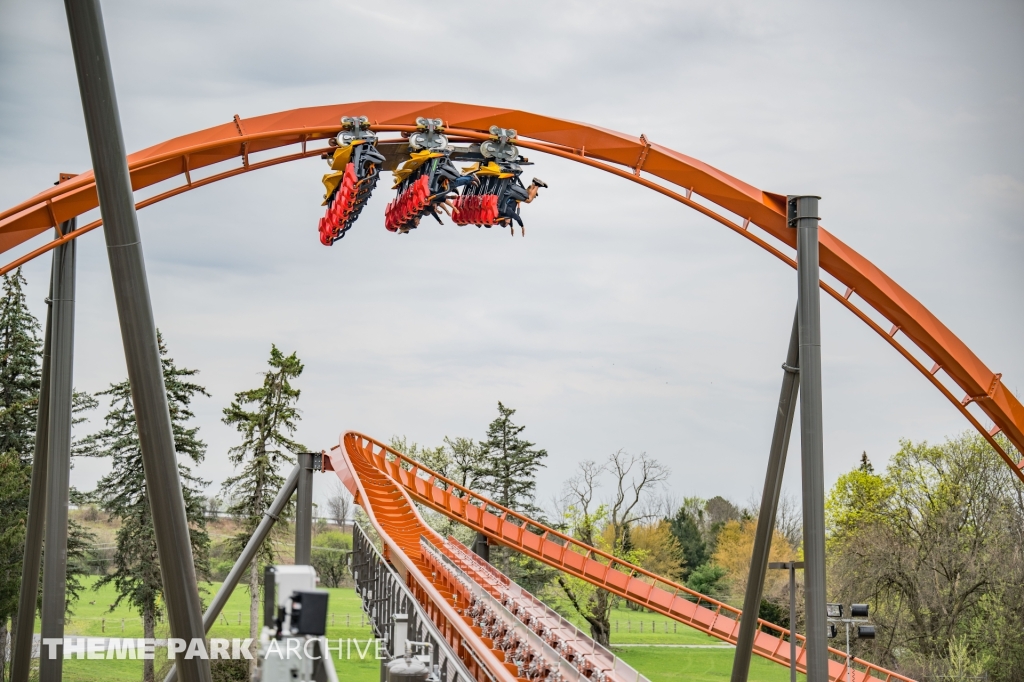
(755, 215)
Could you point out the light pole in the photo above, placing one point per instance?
(791, 566)
(858, 616)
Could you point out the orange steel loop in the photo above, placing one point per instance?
(397, 479)
(606, 150)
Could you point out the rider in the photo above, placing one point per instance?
(515, 192)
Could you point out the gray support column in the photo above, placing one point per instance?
(769, 506)
(138, 329)
(304, 508)
(481, 547)
(793, 565)
(803, 215)
(246, 557)
(58, 464)
(21, 651)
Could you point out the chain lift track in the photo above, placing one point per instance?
(543, 645)
(854, 282)
(388, 484)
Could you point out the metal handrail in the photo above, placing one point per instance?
(451, 665)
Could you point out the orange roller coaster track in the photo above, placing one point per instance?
(386, 483)
(756, 215)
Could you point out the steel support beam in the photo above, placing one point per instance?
(304, 508)
(769, 507)
(803, 215)
(792, 618)
(58, 461)
(138, 329)
(24, 623)
(246, 557)
(481, 547)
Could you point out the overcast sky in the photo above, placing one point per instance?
(623, 319)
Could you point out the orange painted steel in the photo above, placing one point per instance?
(395, 481)
(623, 155)
(393, 515)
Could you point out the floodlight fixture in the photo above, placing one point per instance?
(859, 610)
(830, 630)
(865, 632)
(834, 610)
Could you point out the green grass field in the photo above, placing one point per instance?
(96, 620)
(663, 664)
(632, 627)
(659, 664)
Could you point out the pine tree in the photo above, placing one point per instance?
(14, 483)
(20, 350)
(865, 463)
(506, 470)
(266, 417)
(691, 541)
(122, 492)
(20, 374)
(508, 464)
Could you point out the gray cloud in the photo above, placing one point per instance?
(622, 320)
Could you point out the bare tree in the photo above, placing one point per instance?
(788, 516)
(789, 519)
(339, 504)
(636, 478)
(213, 506)
(662, 505)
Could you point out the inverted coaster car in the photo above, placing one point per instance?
(427, 182)
(494, 199)
(355, 166)
(424, 181)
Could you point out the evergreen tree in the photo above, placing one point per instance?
(266, 418)
(507, 469)
(20, 356)
(122, 493)
(865, 463)
(14, 480)
(691, 541)
(707, 579)
(20, 351)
